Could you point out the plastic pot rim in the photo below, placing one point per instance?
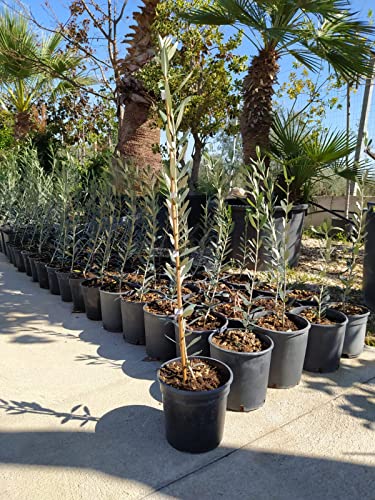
(196, 393)
(291, 333)
(170, 316)
(244, 354)
(328, 310)
(356, 316)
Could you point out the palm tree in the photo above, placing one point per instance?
(30, 69)
(139, 136)
(309, 30)
(309, 156)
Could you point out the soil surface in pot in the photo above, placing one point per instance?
(228, 309)
(312, 316)
(199, 321)
(77, 273)
(239, 279)
(200, 377)
(274, 322)
(112, 285)
(135, 278)
(163, 307)
(133, 296)
(301, 294)
(43, 257)
(266, 287)
(349, 309)
(239, 341)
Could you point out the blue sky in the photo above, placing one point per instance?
(335, 118)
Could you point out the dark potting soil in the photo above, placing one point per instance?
(239, 341)
(77, 273)
(267, 304)
(203, 322)
(163, 307)
(135, 278)
(274, 322)
(228, 309)
(113, 286)
(242, 279)
(349, 309)
(312, 316)
(43, 257)
(301, 294)
(147, 297)
(200, 377)
(93, 282)
(267, 287)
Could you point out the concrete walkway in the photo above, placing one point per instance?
(81, 418)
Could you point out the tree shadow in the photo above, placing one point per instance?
(129, 443)
(358, 405)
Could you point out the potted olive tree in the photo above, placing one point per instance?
(327, 332)
(288, 331)
(357, 314)
(247, 353)
(196, 388)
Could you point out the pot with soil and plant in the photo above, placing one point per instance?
(159, 329)
(201, 324)
(249, 357)
(148, 287)
(326, 338)
(194, 390)
(288, 332)
(327, 332)
(357, 314)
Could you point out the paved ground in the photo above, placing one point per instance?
(81, 418)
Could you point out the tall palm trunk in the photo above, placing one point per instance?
(138, 137)
(258, 91)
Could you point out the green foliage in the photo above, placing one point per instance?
(208, 58)
(6, 130)
(308, 155)
(259, 187)
(176, 181)
(356, 238)
(326, 249)
(32, 68)
(318, 30)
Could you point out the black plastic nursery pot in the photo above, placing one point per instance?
(34, 271)
(133, 323)
(19, 259)
(64, 286)
(250, 374)
(110, 304)
(369, 259)
(42, 274)
(25, 255)
(242, 229)
(159, 335)
(197, 340)
(325, 343)
(77, 296)
(91, 298)
(288, 353)
(194, 420)
(355, 334)
(4, 238)
(10, 248)
(53, 281)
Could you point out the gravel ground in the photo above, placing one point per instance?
(309, 271)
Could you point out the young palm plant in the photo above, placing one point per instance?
(310, 156)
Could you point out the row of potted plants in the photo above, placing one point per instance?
(225, 333)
